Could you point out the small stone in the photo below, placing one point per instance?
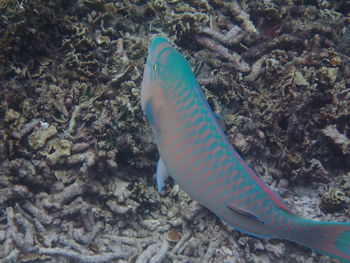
(57, 149)
(330, 73)
(277, 249)
(11, 115)
(241, 142)
(103, 40)
(299, 79)
(173, 236)
(80, 147)
(283, 184)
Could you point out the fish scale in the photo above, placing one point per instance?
(196, 153)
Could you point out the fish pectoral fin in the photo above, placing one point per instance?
(162, 175)
(151, 110)
(245, 213)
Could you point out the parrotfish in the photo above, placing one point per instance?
(196, 153)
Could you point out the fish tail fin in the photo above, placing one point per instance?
(328, 238)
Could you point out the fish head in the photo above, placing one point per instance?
(151, 83)
(164, 67)
(166, 75)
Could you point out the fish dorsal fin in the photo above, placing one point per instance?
(245, 213)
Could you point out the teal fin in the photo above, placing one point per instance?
(245, 213)
(149, 111)
(329, 238)
(162, 175)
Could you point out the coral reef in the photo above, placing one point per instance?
(77, 157)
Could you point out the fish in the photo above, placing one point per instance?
(194, 151)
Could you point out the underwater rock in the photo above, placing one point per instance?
(333, 201)
(299, 79)
(102, 40)
(339, 139)
(3, 150)
(173, 235)
(38, 138)
(15, 192)
(27, 173)
(80, 147)
(343, 44)
(56, 149)
(242, 142)
(330, 73)
(28, 127)
(97, 5)
(11, 115)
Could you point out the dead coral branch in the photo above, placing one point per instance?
(237, 61)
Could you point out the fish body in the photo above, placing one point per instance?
(195, 152)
